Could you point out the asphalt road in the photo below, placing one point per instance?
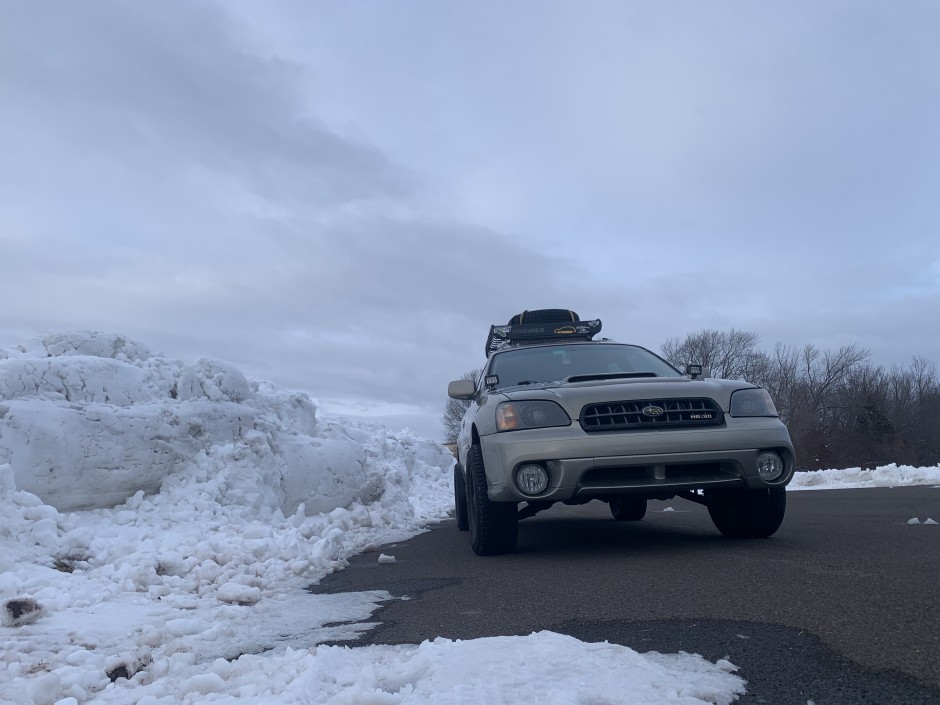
(841, 606)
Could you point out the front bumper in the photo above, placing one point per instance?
(584, 466)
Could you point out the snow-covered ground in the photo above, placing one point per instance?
(159, 522)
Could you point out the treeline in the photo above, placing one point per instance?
(841, 409)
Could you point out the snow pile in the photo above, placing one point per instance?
(544, 667)
(885, 476)
(81, 410)
(159, 521)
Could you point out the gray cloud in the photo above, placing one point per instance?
(121, 109)
(342, 198)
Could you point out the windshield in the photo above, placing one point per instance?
(530, 365)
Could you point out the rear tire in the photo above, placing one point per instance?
(748, 514)
(460, 500)
(627, 508)
(494, 526)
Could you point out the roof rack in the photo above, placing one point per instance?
(546, 332)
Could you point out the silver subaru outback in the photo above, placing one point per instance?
(560, 416)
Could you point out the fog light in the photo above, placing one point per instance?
(531, 478)
(769, 465)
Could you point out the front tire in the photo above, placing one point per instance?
(627, 508)
(748, 514)
(460, 500)
(494, 526)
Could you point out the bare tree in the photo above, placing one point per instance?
(823, 372)
(924, 376)
(454, 410)
(730, 354)
(914, 407)
(839, 408)
(779, 376)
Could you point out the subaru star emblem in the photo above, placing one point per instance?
(652, 410)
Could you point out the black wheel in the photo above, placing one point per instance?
(544, 315)
(748, 514)
(460, 500)
(494, 526)
(627, 508)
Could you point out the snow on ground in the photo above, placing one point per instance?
(850, 478)
(159, 522)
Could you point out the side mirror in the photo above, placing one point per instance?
(462, 389)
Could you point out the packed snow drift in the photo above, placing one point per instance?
(159, 522)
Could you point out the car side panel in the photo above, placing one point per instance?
(481, 417)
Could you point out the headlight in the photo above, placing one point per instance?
(518, 415)
(752, 402)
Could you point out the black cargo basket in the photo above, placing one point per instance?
(541, 326)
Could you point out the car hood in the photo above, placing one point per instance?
(574, 395)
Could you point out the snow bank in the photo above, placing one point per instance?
(89, 419)
(543, 667)
(853, 478)
(208, 501)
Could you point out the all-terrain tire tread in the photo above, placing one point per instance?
(748, 514)
(496, 523)
(628, 508)
(460, 500)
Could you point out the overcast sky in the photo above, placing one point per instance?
(341, 197)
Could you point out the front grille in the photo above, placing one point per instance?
(672, 413)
